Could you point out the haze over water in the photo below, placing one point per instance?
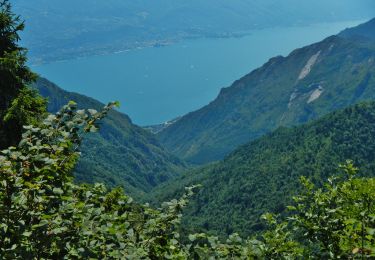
(159, 84)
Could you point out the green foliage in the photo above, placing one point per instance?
(36, 192)
(263, 175)
(18, 105)
(337, 221)
(121, 153)
(26, 109)
(44, 215)
(278, 240)
(10, 25)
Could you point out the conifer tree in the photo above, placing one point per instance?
(19, 105)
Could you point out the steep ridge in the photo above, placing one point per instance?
(263, 175)
(310, 82)
(364, 31)
(121, 154)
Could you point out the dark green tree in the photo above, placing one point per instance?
(19, 105)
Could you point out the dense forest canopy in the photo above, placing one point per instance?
(45, 215)
(263, 175)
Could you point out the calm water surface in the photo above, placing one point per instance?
(158, 84)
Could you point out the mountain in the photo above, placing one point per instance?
(121, 154)
(364, 31)
(263, 175)
(67, 29)
(307, 84)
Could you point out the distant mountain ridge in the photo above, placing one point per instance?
(365, 31)
(121, 154)
(114, 25)
(263, 175)
(310, 82)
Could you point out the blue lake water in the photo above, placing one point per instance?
(159, 84)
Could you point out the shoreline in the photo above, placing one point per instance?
(132, 46)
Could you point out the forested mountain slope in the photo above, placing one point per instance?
(121, 154)
(263, 175)
(310, 82)
(67, 29)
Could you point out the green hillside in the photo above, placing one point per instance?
(121, 153)
(44, 214)
(309, 83)
(262, 176)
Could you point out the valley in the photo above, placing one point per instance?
(121, 154)
(245, 129)
(250, 178)
(159, 84)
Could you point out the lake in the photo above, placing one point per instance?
(160, 83)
